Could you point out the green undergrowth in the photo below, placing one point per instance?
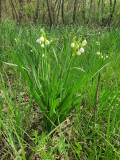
(53, 103)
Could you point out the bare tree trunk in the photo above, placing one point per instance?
(0, 10)
(74, 12)
(90, 12)
(83, 10)
(68, 5)
(14, 13)
(112, 9)
(63, 12)
(53, 7)
(5, 8)
(49, 12)
(43, 11)
(102, 10)
(37, 11)
(0, 22)
(21, 10)
(58, 12)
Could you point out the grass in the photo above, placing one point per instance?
(48, 105)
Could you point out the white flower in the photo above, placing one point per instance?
(43, 55)
(101, 56)
(107, 56)
(78, 53)
(47, 42)
(15, 40)
(41, 30)
(38, 41)
(72, 45)
(98, 43)
(42, 39)
(42, 45)
(84, 42)
(98, 53)
(81, 50)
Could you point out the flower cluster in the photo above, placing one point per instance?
(98, 53)
(77, 46)
(42, 40)
(98, 43)
(101, 55)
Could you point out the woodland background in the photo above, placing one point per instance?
(66, 12)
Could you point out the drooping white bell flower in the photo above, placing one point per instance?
(38, 41)
(78, 53)
(84, 42)
(98, 53)
(72, 45)
(42, 45)
(82, 50)
(41, 30)
(42, 39)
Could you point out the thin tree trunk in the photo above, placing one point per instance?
(102, 10)
(112, 9)
(90, 12)
(0, 22)
(83, 10)
(63, 12)
(43, 11)
(37, 11)
(68, 5)
(21, 10)
(58, 12)
(74, 12)
(0, 10)
(13, 10)
(53, 7)
(98, 14)
(49, 12)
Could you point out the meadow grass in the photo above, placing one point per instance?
(50, 107)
